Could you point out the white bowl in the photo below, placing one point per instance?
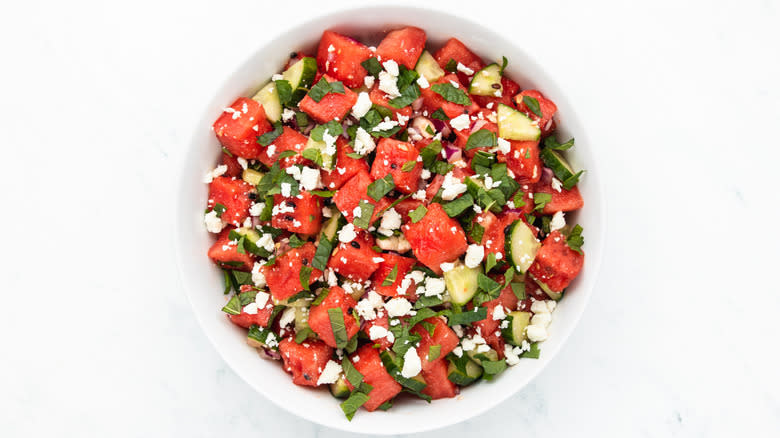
(203, 281)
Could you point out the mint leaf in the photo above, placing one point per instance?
(233, 307)
(323, 87)
(372, 66)
(269, 137)
(459, 205)
(440, 115)
(481, 138)
(337, 324)
(379, 188)
(366, 212)
(575, 239)
(451, 94)
(540, 200)
(284, 91)
(390, 279)
(552, 143)
(417, 214)
(532, 105)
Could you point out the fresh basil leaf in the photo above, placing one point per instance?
(451, 94)
(572, 181)
(333, 128)
(487, 284)
(304, 276)
(408, 95)
(353, 403)
(532, 105)
(429, 327)
(552, 143)
(379, 188)
(441, 167)
(284, 91)
(243, 278)
(490, 262)
(540, 200)
(424, 301)
(459, 205)
(467, 317)
(323, 87)
(433, 352)
(390, 279)
(269, 137)
(355, 155)
(417, 214)
(484, 160)
(337, 87)
(337, 324)
(366, 212)
(233, 307)
(228, 282)
(220, 209)
(575, 239)
(439, 114)
(314, 155)
(385, 406)
(476, 233)
(481, 138)
(518, 288)
(372, 66)
(351, 373)
(420, 316)
(519, 199)
(492, 368)
(504, 63)
(393, 367)
(300, 295)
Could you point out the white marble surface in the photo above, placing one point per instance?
(97, 101)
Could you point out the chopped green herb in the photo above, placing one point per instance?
(226, 151)
(492, 368)
(304, 276)
(314, 155)
(284, 91)
(269, 137)
(487, 284)
(540, 200)
(372, 66)
(242, 277)
(532, 105)
(483, 160)
(323, 87)
(220, 209)
(408, 95)
(572, 181)
(296, 242)
(408, 166)
(385, 406)
(477, 231)
(418, 213)
(323, 193)
(353, 403)
(451, 94)
(366, 212)
(439, 114)
(429, 130)
(379, 188)
(481, 138)
(518, 288)
(355, 155)
(303, 334)
(490, 262)
(451, 66)
(575, 239)
(301, 119)
(333, 128)
(441, 167)
(433, 352)
(390, 279)
(552, 143)
(338, 326)
(429, 327)
(476, 314)
(459, 205)
(533, 353)
(233, 307)
(430, 152)
(321, 297)
(519, 199)
(228, 282)
(351, 373)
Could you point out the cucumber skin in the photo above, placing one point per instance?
(511, 134)
(509, 333)
(508, 245)
(476, 89)
(556, 163)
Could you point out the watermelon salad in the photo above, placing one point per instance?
(392, 219)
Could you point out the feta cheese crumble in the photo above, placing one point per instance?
(362, 105)
(558, 221)
(213, 223)
(412, 364)
(461, 122)
(452, 187)
(331, 372)
(217, 171)
(398, 307)
(347, 233)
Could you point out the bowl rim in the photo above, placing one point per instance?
(595, 245)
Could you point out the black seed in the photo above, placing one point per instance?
(465, 111)
(306, 376)
(293, 55)
(291, 204)
(305, 261)
(289, 218)
(393, 166)
(355, 244)
(252, 195)
(496, 86)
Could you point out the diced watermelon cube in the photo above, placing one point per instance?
(437, 385)
(457, 51)
(355, 190)
(436, 238)
(356, 260)
(339, 56)
(563, 200)
(306, 216)
(403, 46)
(494, 236)
(288, 140)
(523, 160)
(405, 206)
(346, 166)
(238, 126)
(333, 106)
(319, 320)
(442, 335)
(247, 320)
(489, 327)
(225, 253)
(283, 277)
(233, 194)
(367, 361)
(404, 265)
(304, 361)
(556, 265)
(379, 321)
(510, 89)
(234, 169)
(546, 106)
(391, 156)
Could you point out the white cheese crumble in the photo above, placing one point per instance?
(419, 195)
(286, 188)
(412, 364)
(558, 221)
(398, 307)
(310, 178)
(257, 209)
(461, 122)
(251, 309)
(213, 223)
(465, 70)
(242, 162)
(377, 259)
(503, 145)
(362, 105)
(364, 144)
(288, 316)
(536, 333)
(217, 171)
(391, 220)
(331, 372)
(391, 67)
(499, 313)
(422, 82)
(434, 286)
(556, 184)
(388, 83)
(288, 115)
(369, 81)
(258, 278)
(347, 233)
(379, 332)
(447, 267)
(366, 308)
(261, 299)
(452, 187)
(266, 242)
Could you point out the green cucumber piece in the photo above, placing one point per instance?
(328, 160)
(555, 161)
(487, 81)
(428, 68)
(250, 233)
(461, 283)
(300, 76)
(514, 125)
(515, 332)
(491, 355)
(268, 98)
(301, 315)
(332, 225)
(550, 293)
(458, 377)
(252, 176)
(339, 388)
(521, 245)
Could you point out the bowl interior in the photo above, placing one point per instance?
(203, 281)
